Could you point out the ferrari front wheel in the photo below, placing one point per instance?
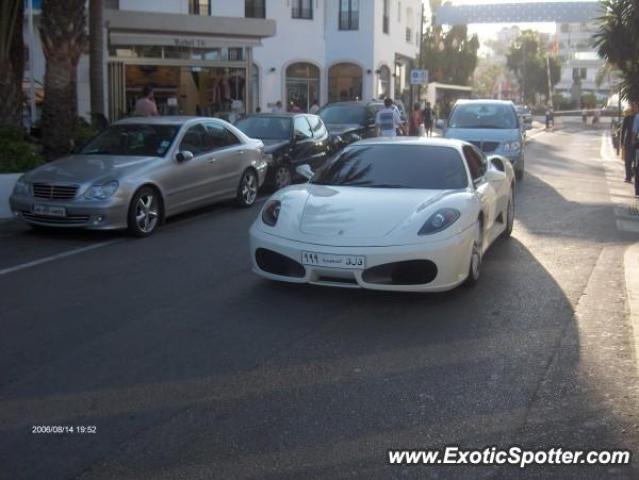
(474, 269)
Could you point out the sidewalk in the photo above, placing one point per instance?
(626, 208)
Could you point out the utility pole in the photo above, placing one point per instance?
(549, 80)
(421, 52)
(32, 99)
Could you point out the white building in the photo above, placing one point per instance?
(579, 60)
(203, 56)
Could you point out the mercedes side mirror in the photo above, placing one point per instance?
(439, 124)
(184, 156)
(305, 171)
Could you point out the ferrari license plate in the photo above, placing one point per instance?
(49, 210)
(333, 261)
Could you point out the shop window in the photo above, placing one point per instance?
(255, 8)
(200, 7)
(302, 9)
(349, 15)
(302, 85)
(384, 82)
(344, 82)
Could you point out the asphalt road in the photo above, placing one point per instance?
(191, 367)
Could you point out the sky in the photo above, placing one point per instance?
(488, 30)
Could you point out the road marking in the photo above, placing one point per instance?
(58, 256)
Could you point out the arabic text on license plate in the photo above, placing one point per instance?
(49, 210)
(333, 261)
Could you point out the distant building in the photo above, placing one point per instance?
(580, 63)
(223, 57)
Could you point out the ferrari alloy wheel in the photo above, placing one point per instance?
(247, 190)
(144, 212)
(474, 269)
(282, 177)
(510, 215)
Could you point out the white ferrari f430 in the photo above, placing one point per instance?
(403, 214)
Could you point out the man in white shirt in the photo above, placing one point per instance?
(388, 119)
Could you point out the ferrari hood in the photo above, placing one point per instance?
(362, 213)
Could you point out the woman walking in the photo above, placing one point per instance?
(415, 121)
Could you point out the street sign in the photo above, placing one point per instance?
(419, 77)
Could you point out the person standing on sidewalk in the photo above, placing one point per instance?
(428, 120)
(415, 120)
(627, 141)
(388, 119)
(145, 106)
(635, 147)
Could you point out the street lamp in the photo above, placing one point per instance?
(521, 45)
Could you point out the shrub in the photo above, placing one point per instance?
(17, 154)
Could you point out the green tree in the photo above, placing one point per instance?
(527, 58)
(450, 56)
(617, 41)
(11, 62)
(64, 38)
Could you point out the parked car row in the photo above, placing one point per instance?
(140, 171)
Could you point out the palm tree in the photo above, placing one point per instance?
(63, 35)
(11, 62)
(96, 53)
(617, 41)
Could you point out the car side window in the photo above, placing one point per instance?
(194, 140)
(319, 130)
(476, 162)
(302, 128)
(218, 136)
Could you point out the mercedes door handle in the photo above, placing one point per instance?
(212, 160)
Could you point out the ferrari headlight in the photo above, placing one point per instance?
(271, 212)
(101, 192)
(512, 146)
(440, 220)
(21, 187)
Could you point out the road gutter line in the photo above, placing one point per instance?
(58, 256)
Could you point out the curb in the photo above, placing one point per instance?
(631, 273)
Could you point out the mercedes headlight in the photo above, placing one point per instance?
(21, 187)
(101, 192)
(271, 212)
(440, 220)
(512, 146)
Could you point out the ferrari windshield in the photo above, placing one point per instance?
(395, 166)
(266, 128)
(132, 139)
(483, 115)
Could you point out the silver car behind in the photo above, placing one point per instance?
(139, 171)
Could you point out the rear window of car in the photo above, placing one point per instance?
(395, 166)
(344, 114)
(483, 115)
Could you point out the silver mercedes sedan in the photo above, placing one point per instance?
(139, 171)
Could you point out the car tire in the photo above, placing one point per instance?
(474, 267)
(145, 212)
(247, 189)
(519, 173)
(510, 215)
(282, 176)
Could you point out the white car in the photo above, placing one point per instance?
(402, 214)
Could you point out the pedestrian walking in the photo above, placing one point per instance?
(635, 149)
(427, 117)
(550, 117)
(145, 106)
(277, 108)
(388, 120)
(415, 120)
(627, 141)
